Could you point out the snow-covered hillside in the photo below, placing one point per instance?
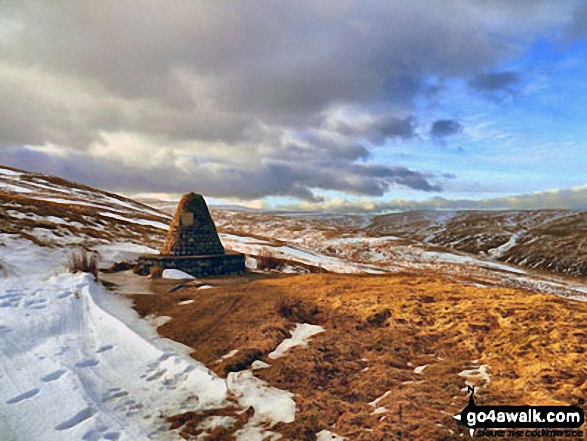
(51, 212)
(77, 362)
(351, 244)
(554, 240)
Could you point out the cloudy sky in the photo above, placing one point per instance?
(316, 104)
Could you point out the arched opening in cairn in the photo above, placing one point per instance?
(192, 244)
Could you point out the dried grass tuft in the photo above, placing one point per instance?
(156, 272)
(85, 262)
(267, 262)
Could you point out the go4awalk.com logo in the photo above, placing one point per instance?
(522, 422)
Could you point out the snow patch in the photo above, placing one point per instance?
(11, 188)
(252, 246)
(499, 251)
(271, 405)
(147, 222)
(176, 274)
(8, 172)
(376, 401)
(420, 369)
(300, 336)
(121, 252)
(258, 364)
(227, 356)
(158, 320)
(480, 372)
(326, 435)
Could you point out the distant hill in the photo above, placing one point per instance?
(51, 211)
(554, 240)
(169, 206)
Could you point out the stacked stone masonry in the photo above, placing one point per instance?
(192, 231)
(197, 266)
(192, 244)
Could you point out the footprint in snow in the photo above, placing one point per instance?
(78, 418)
(87, 363)
(36, 303)
(114, 395)
(157, 375)
(104, 348)
(129, 407)
(10, 300)
(24, 396)
(100, 434)
(53, 376)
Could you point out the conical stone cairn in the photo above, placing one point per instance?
(192, 231)
(192, 245)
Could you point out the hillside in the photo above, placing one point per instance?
(390, 327)
(554, 240)
(52, 213)
(360, 244)
(395, 354)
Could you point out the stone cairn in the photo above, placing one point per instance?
(192, 231)
(192, 244)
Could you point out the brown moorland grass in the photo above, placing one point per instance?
(378, 329)
(80, 221)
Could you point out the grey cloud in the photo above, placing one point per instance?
(397, 175)
(445, 127)
(247, 87)
(271, 177)
(379, 129)
(577, 27)
(496, 85)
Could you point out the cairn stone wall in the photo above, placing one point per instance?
(192, 231)
(202, 266)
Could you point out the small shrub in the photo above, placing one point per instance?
(156, 272)
(267, 262)
(378, 319)
(296, 311)
(285, 307)
(84, 262)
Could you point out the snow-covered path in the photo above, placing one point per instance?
(78, 372)
(77, 363)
